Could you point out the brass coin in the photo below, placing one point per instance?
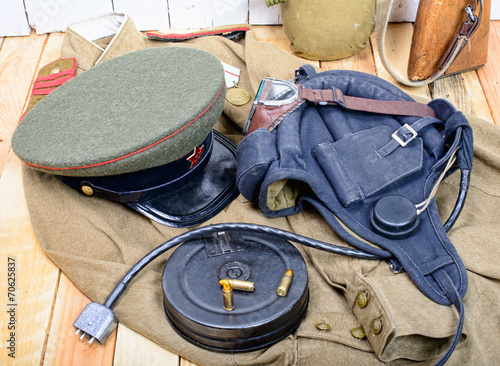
(237, 96)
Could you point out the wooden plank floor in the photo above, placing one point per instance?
(46, 302)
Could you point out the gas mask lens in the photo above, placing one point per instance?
(272, 93)
(278, 92)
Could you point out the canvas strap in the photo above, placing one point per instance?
(468, 28)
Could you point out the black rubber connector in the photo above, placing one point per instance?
(394, 216)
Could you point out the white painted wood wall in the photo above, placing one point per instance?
(17, 17)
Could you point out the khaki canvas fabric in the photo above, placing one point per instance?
(328, 29)
(95, 242)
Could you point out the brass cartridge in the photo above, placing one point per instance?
(227, 295)
(240, 285)
(285, 283)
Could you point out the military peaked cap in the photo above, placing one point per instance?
(138, 130)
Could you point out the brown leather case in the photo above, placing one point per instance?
(436, 26)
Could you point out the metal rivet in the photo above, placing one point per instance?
(376, 326)
(325, 327)
(362, 299)
(87, 190)
(358, 332)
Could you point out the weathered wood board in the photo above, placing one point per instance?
(28, 295)
(147, 15)
(489, 75)
(18, 61)
(397, 48)
(54, 15)
(13, 21)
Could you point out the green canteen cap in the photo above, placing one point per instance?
(138, 111)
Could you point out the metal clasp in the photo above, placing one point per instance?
(470, 12)
(297, 73)
(223, 243)
(395, 266)
(399, 135)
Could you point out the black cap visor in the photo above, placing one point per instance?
(170, 194)
(201, 198)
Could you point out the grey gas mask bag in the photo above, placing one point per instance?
(369, 159)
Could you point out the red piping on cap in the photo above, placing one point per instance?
(135, 152)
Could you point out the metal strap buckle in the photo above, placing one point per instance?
(336, 97)
(297, 73)
(399, 135)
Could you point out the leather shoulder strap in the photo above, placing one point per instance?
(391, 107)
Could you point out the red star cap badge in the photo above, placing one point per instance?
(196, 156)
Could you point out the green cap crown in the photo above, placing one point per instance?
(137, 111)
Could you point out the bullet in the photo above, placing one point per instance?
(227, 293)
(240, 285)
(285, 283)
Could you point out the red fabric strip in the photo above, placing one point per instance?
(43, 91)
(50, 84)
(55, 76)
